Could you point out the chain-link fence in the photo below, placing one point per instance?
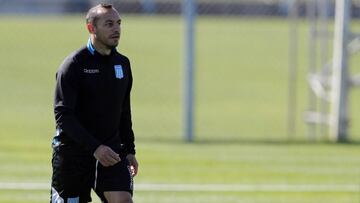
(204, 7)
(241, 64)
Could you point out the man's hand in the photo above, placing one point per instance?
(106, 156)
(133, 164)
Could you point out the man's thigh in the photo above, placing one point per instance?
(72, 179)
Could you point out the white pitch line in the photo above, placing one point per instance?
(209, 187)
(247, 188)
(24, 186)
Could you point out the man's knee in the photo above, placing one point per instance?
(121, 201)
(124, 200)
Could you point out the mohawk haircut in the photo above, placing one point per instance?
(92, 15)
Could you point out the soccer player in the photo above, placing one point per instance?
(94, 142)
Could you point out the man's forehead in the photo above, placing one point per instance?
(108, 14)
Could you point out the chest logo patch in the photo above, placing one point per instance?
(118, 71)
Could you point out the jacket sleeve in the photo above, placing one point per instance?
(66, 94)
(126, 131)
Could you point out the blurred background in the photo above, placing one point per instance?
(263, 106)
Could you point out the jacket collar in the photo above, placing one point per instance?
(92, 49)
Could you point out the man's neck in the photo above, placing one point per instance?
(103, 50)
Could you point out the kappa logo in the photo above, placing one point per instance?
(91, 71)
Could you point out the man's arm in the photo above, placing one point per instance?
(126, 131)
(125, 127)
(66, 95)
(128, 137)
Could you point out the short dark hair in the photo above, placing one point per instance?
(92, 14)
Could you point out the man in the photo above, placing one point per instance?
(94, 142)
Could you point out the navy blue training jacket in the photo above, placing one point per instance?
(92, 102)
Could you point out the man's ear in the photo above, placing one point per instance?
(90, 27)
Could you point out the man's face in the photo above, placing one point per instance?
(107, 28)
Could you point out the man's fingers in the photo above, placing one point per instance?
(114, 155)
(108, 161)
(134, 165)
(106, 156)
(110, 154)
(112, 160)
(133, 170)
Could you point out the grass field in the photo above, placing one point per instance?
(241, 91)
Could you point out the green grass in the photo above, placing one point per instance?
(241, 91)
(234, 163)
(197, 197)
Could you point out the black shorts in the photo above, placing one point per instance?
(75, 174)
(113, 178)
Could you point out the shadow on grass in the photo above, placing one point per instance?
(274, 142)
(248, 141)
